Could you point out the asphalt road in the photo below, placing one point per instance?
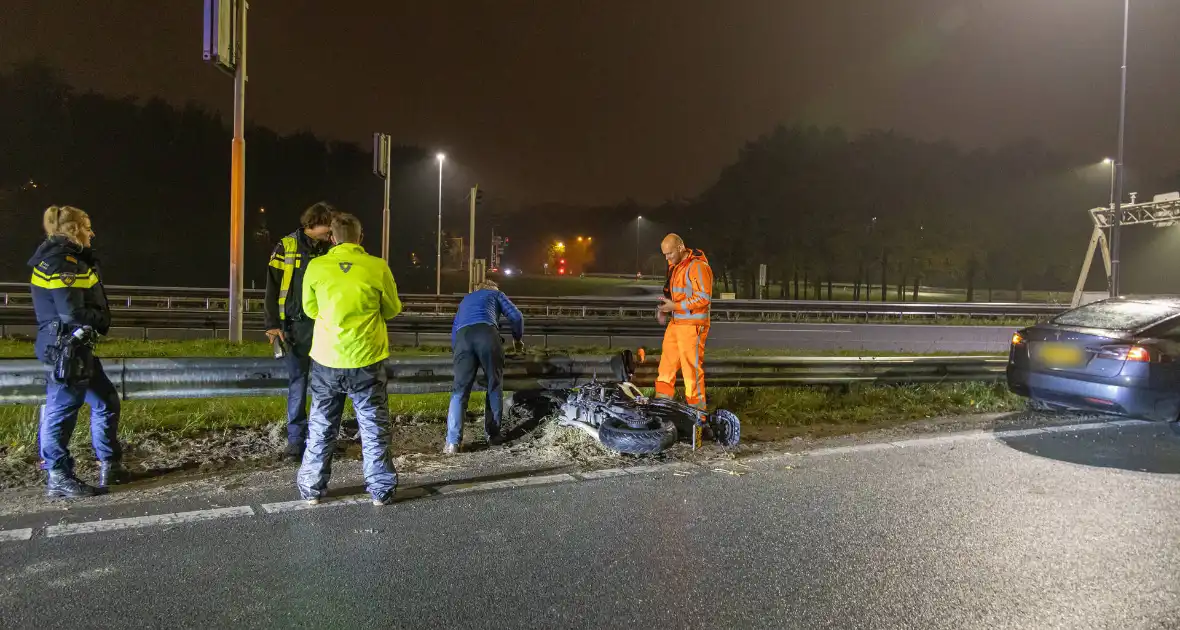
(1070, 529)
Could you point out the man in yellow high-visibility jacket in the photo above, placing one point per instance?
(350, 295)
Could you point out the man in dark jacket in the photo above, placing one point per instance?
(475, 342)
(285, 319)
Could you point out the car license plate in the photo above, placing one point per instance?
(1060, 355)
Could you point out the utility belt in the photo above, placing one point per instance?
(72, 353)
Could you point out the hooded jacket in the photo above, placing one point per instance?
(67, 291)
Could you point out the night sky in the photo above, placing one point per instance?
(597, 101)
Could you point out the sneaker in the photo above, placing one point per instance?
(312, 500)
(387, 500)
(451, 449)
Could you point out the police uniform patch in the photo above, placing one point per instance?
(68, 279)
(44, 264)
(345, 266)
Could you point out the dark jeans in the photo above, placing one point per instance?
(298, 364)
(60, 415)
(329, 388)
(475, 347)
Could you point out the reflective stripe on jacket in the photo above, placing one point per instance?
(349, 294)
(284, 278)
(67, 291)
(690, 287)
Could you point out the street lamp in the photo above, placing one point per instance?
(637, 220)
(438, 246)
(1109, 162)
(1116, 227)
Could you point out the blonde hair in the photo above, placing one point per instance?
(487, 284)
(66, 221)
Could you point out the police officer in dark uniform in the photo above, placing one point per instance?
(71, 312)
(285, 319)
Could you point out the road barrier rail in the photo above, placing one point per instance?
(22, 381)
(15, 302)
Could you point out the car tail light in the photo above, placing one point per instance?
(1138, 354)
(1017, 339)
(1135, 354)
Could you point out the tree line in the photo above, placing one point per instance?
(818, 206)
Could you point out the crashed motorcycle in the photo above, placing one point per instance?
(619, 416)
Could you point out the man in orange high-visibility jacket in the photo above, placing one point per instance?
(688, 292)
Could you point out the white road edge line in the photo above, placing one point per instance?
(804, 330)
(177, 518)
(460, 488)
(969, 436)
(295, 506)
(12, 535)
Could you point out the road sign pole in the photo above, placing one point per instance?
(237, 200)
(471, 244)
(1117, 224)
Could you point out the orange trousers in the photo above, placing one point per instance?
(683, 350)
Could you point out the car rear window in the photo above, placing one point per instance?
(1118, 315)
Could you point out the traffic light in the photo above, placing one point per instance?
(478, 196)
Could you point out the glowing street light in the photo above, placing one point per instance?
(1110, 162)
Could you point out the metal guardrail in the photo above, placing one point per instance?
(23, 381)
(143, 299)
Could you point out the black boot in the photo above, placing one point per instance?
(112, 473)
(64, 485)
(294, 453)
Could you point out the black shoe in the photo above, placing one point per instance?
(112, 474)
(63, 485)
(496, 440)
(294, 453)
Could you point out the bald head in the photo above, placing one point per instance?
(673, 248)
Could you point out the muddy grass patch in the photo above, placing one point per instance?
(166, 436)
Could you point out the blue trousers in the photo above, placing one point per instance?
(298, 364)
(476, 347)
(60, 415)
(329, 389)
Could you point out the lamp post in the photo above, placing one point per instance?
(1110, 162)
(637, 220)
(438, 246)
(1116, 226)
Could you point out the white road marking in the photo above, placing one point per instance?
(295, 506)
(603, 474)
(1089, 426)
(804, 330)
(92, 527)
(10, 535)
(1130, 423)
(459, 488)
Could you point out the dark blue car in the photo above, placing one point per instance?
(1119, 356)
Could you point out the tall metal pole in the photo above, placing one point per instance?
(385, 211)
(471, 244)
(237, 187)
(1116, 226)
(637, 220)
(1111, 184)
(438, 246)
